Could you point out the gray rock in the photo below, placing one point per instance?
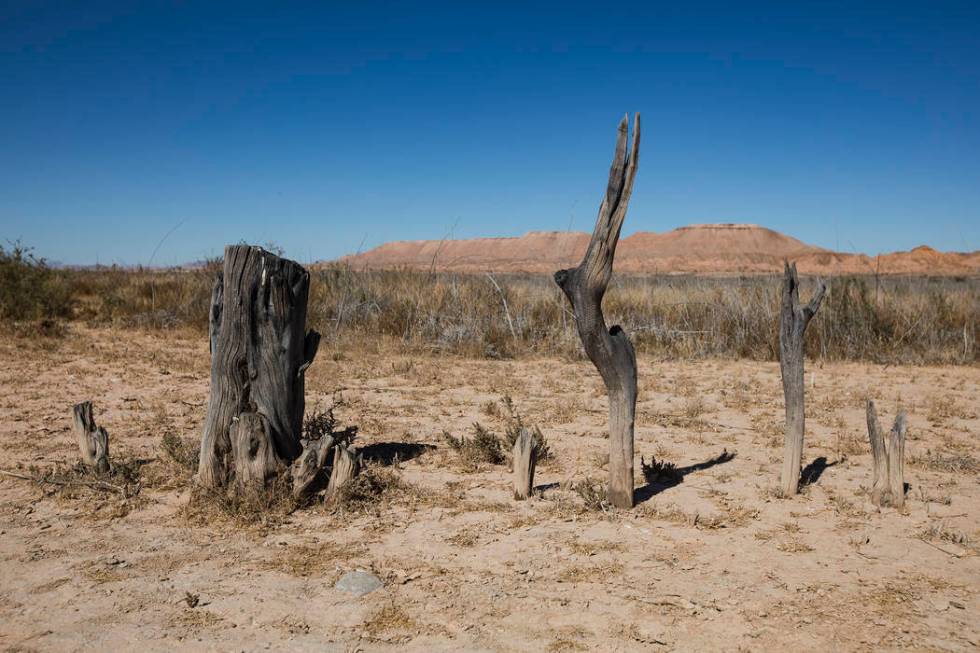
(358, 583)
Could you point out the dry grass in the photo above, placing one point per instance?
(913, 320)
(953, 463)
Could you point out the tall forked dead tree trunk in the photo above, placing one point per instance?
(888, 488)
(610, 350)
(793, 320)
(260, 351)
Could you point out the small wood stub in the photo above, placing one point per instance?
(888, 454)
(525, 459)
(93, 440)
(346, 464)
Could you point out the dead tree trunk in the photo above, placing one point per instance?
(888, 488)
(93, 441)
(525, 459)
(610, 350)
(260, 351)
(793, 320)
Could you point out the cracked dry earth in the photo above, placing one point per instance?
(711, 560)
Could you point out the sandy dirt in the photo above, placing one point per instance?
(711, 561)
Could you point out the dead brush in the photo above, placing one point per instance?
(483, 448)
(515, 424)
(373, 486)
(954, 463)
(659, 472)
(593, 495)
(940, 532)
(266, 506)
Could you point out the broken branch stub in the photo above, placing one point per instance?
(793, 321)
(610, 350)
(260, 351)
(525, 459)
(93, 440)
(346, 465)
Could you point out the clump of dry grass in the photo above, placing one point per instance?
(388, 622)
(373, 485)
(266, 506)
(483, 447)
(953, 463)
(940, 532)
(593, 495)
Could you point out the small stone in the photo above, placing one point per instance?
(957, 605)
(358, 583)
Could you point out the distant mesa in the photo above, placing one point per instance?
(716, 249)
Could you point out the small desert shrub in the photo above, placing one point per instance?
(659, 472)
(483, 447)
(184, 453)
(373, 484)
(265, 506)
(319, 423)
(30, 291)
(592, 493)
(515, 424)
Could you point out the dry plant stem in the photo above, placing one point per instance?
(525, 459)
(96, 485)
(888, 488)
(793, 321)
(259, 354)
(610, 350)
(93, 440)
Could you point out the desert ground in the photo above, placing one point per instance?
(711, 558)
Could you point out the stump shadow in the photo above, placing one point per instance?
(386, 453)
(662, 477)
(812, 472)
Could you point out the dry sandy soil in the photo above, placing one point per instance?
(714, 561)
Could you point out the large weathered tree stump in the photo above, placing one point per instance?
(610, 350)
(524, 461)
(260, 351)
(93, 440)
(888, 487)
(793, 321)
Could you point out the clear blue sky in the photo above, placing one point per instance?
(331, 127)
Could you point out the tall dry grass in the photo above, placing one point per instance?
(914, 320)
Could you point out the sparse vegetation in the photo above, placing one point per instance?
(482, 447)
(909, 320)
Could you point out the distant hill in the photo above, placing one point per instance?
(720, 249)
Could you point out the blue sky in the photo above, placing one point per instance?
(328, 128)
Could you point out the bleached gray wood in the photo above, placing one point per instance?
(346, 464)
(307, 467)
(793, 321)
(879, 456)
(260, 350)
(888, 454)
(93, 440)
(610, 350)
(524, 461)
(253, 451)
(896, 461)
